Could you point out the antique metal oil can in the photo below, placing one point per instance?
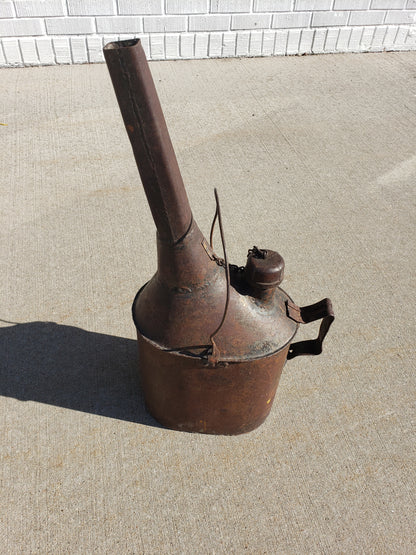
(212, 337)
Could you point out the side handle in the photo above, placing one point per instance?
(304, 315)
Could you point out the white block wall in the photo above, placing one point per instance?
(43, 32)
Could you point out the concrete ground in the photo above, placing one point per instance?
(313, 156)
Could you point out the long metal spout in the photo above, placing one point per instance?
(149, 137)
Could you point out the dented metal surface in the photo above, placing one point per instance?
(213, 337)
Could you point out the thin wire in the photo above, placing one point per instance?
(211, 235)
(215, 351)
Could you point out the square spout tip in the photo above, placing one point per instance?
(121, 44)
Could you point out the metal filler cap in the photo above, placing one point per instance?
(264, 268)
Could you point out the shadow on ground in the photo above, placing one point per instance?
(72, 368)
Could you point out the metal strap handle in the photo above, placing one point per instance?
(304, 315)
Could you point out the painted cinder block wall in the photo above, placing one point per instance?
(43, 32)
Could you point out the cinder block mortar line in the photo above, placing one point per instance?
(287, 42)
(21, 51)
(37, 50)
(299, 38)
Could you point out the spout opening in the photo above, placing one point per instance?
(121, 44)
